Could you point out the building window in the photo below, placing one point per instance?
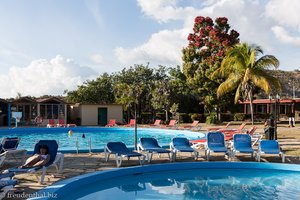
(282, 109)
(61, 111)
(55, 111)
(261, 108)
(43, 111)
(52, 111)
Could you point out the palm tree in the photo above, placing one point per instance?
(243, 71)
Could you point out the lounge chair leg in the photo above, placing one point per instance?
(143, 160)
(43, 175)
(174, 156)
(258, 158)
(207, 155)
(118, 160)
(148, 156)
(283, 157)
(196, 155)
(107, 154)
(151, 155)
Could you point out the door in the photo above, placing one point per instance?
(102, 116)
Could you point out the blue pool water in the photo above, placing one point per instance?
(98, 136)
(206, 180)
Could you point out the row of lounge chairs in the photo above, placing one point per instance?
(215, 143)
(157, 123)
(61, 123)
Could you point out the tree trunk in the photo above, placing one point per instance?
(251, 107)
(135, 127)
(167, 116)
(128, 114)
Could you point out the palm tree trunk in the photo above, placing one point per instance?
(251, 106)
(167, 117)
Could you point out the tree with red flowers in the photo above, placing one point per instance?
(204, 54)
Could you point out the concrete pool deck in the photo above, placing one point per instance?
(77, 164)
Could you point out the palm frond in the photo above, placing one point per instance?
(228, 85)
(267, 62)
(237, 94)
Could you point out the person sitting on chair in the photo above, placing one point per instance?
(38, 160)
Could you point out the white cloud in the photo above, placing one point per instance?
(284, 36)
(43, 77)
(287, 21)
(97, 58)
(162, 48)
(164, 10)
(268, 24)
(284, 12)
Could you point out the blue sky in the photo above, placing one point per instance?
(52, 45)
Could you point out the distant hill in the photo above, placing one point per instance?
(288, 80)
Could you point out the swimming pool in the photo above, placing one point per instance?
(98, 136)
(201, 180)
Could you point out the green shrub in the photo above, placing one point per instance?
(211, 118)
(195, 116)
(184, 118)
(239, 117)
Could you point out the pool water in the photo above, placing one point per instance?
(206, 180)
(95, 136)
(198, 184)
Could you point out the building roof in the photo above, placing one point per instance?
(24, 100)
(3, 100)
(113, 104)
(268, 101)
(50, 99)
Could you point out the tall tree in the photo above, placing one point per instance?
(204, 54)
(94, 91)
(243, 71)
(161, 97)
(132, 87)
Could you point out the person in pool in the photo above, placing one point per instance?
(38, 160)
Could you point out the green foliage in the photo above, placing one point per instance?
(174, 108)
(206, 49)
(244, 71)
(212, 118)
(94, 91)
(184, 118)
(195, 116)
(239, 117)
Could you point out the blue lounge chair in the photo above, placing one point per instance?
(180, 144)
(120, 150)
(151, 146)
(9, 147)
(2, 158)
(6, 183)
(242, 144)
(54, 160)
(9, 144)
(216, 144)
(269, 147)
